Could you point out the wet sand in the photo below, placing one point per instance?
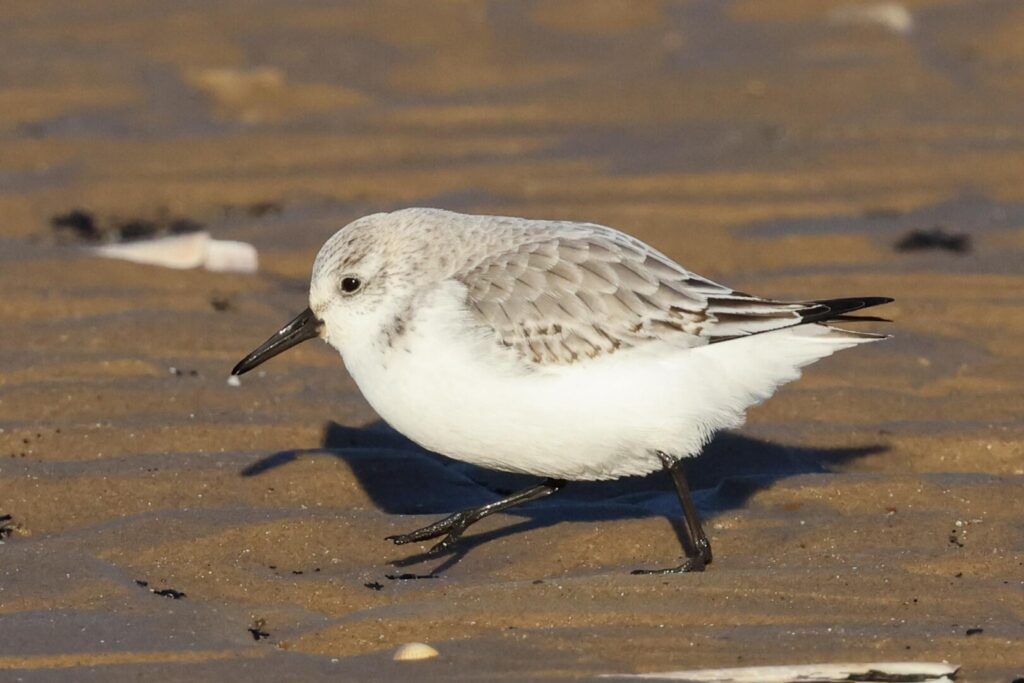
(870, 511)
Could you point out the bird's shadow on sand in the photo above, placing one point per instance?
(403, 479)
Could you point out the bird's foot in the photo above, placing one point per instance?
(448, 541)
(695, 563)
(429, 531)
(453, 526)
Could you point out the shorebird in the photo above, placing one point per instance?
(570, 351)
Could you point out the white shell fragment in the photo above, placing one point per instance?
(182, 252)
(175, 251)
(819, 673)
(228, 256)
(889, 15)
(234, 381)
(414, 651)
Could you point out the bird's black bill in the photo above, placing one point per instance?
(304, 326)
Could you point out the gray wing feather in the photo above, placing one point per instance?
(559, 299)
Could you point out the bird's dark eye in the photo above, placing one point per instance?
(350, 285)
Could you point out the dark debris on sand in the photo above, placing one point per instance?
(219, 302)
(79, 222)
(82, 225)
(6, 528)
(162, 592)
(408, 577)
(937, 238)
(256, 630)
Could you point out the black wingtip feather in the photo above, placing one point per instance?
(827, 310)
(831, 309)
(860, 319)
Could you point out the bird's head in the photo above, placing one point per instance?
(365, 275)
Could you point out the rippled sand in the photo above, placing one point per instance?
(870, 511)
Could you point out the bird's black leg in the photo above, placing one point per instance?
(454, 525)
(695, 542)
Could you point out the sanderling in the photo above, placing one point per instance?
(565, 350)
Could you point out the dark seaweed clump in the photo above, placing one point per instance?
(82, 225)
(936, 238)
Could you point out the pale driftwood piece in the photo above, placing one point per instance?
(907, 672)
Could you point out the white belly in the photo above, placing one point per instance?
(458, 395)
(461, 397)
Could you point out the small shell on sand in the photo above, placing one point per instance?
(229, 256)
(190, 250)
(934, 672)
(414, 651)
(890, 15)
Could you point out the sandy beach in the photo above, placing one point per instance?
(166, 526)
